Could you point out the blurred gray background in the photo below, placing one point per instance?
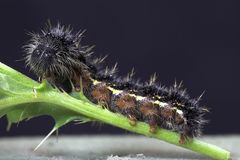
(193, 41)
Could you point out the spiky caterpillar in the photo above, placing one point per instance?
(56, 54)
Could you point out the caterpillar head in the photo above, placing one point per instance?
(55, 52)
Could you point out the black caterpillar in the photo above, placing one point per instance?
(56, 54)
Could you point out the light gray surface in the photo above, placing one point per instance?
(105, 148)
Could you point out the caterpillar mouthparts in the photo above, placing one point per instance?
(56, 54)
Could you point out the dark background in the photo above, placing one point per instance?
(193, 41)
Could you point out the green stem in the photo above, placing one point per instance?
(87, 109)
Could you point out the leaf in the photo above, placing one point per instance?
(11, 87)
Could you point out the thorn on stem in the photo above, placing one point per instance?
(34, 92)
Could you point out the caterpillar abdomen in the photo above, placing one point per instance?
(57, 55)
(139, 108)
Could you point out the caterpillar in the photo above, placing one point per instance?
(57, 55)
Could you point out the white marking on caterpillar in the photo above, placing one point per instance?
(180, 112)
(138, 98)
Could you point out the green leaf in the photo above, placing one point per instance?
(12, 87)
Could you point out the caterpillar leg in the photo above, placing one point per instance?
(40, 79)
(77, 80)
(81, 81)
(77, 88)
(183, 138)
(153, 125)
(150, 114)
(103, 104)
(127, 105)
(132, 120)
